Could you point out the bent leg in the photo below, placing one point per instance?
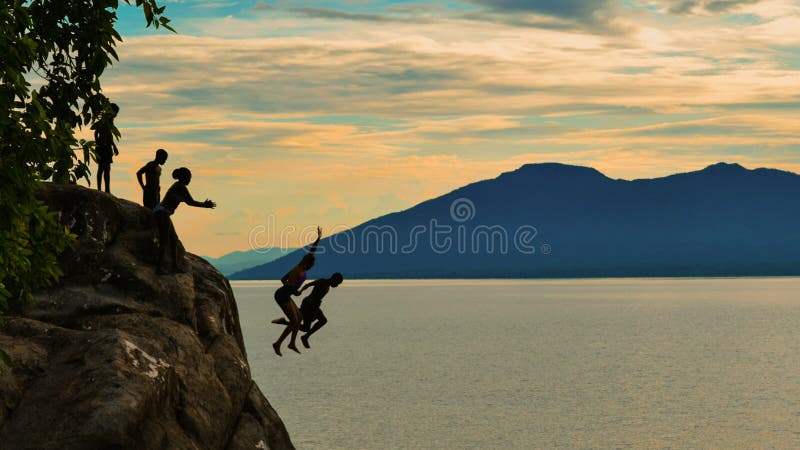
(288, 308)
(305, 319)
(321, 321)
(173, 245)
(294, 326)
(162, 223)
(305, 327)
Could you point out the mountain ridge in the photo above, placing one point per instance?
(237, 260)
(594, 225)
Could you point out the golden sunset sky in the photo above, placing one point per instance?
(335, 112)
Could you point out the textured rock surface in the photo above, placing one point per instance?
(117, 357)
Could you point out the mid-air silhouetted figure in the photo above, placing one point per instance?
(105, 147)
(292, 282)
(176, 194)
(151, 187)
(313, 317)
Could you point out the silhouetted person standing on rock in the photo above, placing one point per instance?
(313, 318)
(105, 147)
(292, 282)
(176, 194)
(151, 191)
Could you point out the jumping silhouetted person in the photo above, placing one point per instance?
(106, 148)
(313, 317)
(176, 194)
(151, 192)
(292, 282)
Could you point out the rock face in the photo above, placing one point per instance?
(117, 357)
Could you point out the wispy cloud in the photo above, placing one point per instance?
(340, 113)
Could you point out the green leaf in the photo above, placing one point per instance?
(69, 43)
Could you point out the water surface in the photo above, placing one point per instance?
(625, 363)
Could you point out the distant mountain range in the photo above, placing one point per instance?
(555, 220)
(236, 261)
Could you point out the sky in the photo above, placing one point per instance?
(293, 114)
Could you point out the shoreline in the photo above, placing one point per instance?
(629, 278)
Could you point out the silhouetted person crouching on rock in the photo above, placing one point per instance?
(151, 191)
(313, 318)
(176, 194)
(105, 147)
(292, 282)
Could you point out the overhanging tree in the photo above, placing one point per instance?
(52, 55)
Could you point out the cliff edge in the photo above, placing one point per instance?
(117, 357)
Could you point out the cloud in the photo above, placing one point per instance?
(595, 16)
(324, 13)
(686, 7)
(571, 9)
(343, 118)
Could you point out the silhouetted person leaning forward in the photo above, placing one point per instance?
(151, 190)
(292, 282)
(313, 317)
(176, 194)
(105, 147)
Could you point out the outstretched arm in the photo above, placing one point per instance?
(316, 243)
(192, 202)
(308, 285)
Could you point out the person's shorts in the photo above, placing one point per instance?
(283, 295)
(311, 311)
(105, 156)
(151, 197)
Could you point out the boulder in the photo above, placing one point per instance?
(118, 357)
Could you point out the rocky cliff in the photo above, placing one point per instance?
(117, 357)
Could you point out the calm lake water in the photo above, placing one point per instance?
(496, 364)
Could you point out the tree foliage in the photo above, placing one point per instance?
(52, 55)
